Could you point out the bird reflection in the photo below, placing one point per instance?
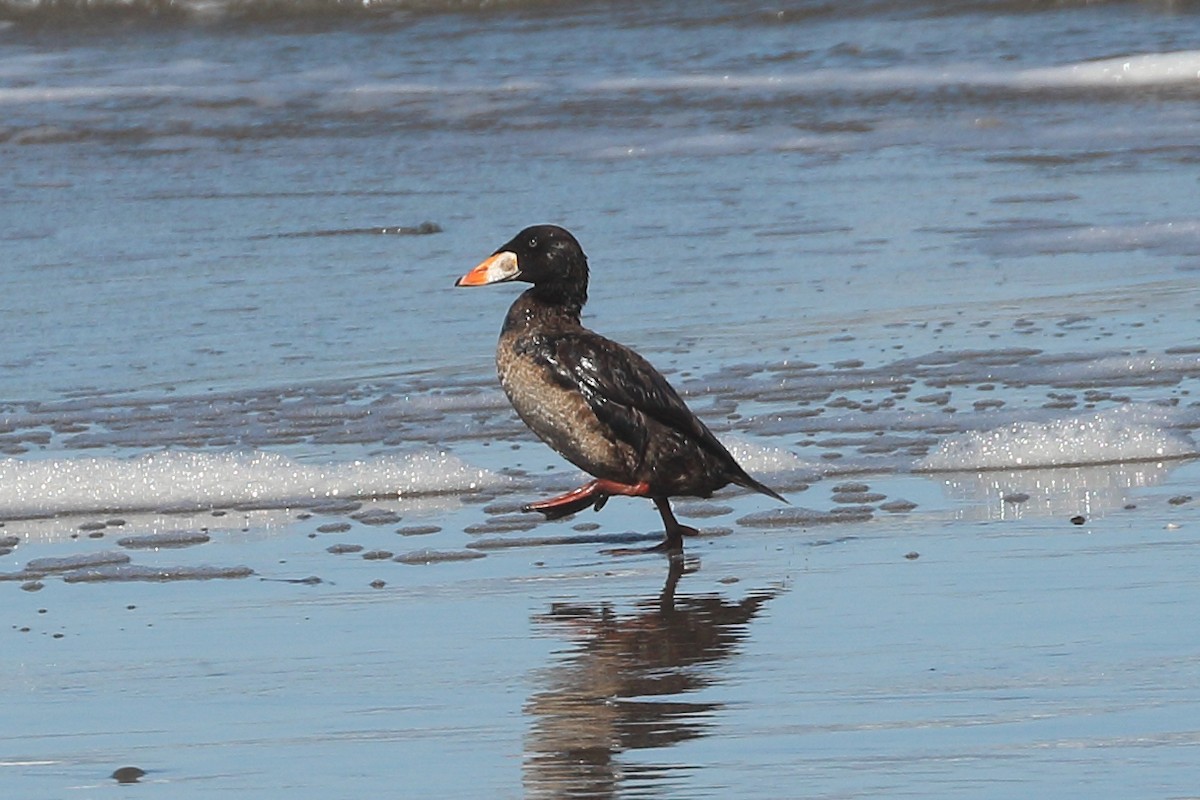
(623, 686)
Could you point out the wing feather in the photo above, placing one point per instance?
(623, 390)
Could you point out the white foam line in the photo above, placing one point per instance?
(199, 480)
(1121, 435)
(1142, 69)
(1135, 70)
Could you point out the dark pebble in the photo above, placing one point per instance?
(1078, 519)
(1179, 500)
(912, 555)
(128, 774)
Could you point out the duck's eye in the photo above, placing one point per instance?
(533, 243)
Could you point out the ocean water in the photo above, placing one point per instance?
(929, 268)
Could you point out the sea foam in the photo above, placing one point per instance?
(1124, 434)
(188, 480)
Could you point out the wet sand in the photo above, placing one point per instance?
(878, 247)
(980, 643)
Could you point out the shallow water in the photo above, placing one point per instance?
(928, 269)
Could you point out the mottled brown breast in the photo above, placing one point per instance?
(559, 414)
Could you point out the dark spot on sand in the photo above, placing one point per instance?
(70, 563)
(702, 510)
(858, 498)
(801, 517)
(117, 573)
(436, 556)
(337, 507)
(170, 539)
(376, 516)
(508, 542)
(418, 530)
(503, 507)
(503, 524)
(128, 774)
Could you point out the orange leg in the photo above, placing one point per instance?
(595, 494)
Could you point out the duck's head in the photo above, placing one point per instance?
(547, 256)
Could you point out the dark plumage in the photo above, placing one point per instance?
(597, 403)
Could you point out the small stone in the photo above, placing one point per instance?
(128, 774)
(1078, 519)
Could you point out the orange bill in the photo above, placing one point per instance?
(500, 267)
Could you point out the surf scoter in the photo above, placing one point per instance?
(597, 403)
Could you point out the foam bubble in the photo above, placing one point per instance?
(185, 480)
(1126, 433)
(761, 459)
